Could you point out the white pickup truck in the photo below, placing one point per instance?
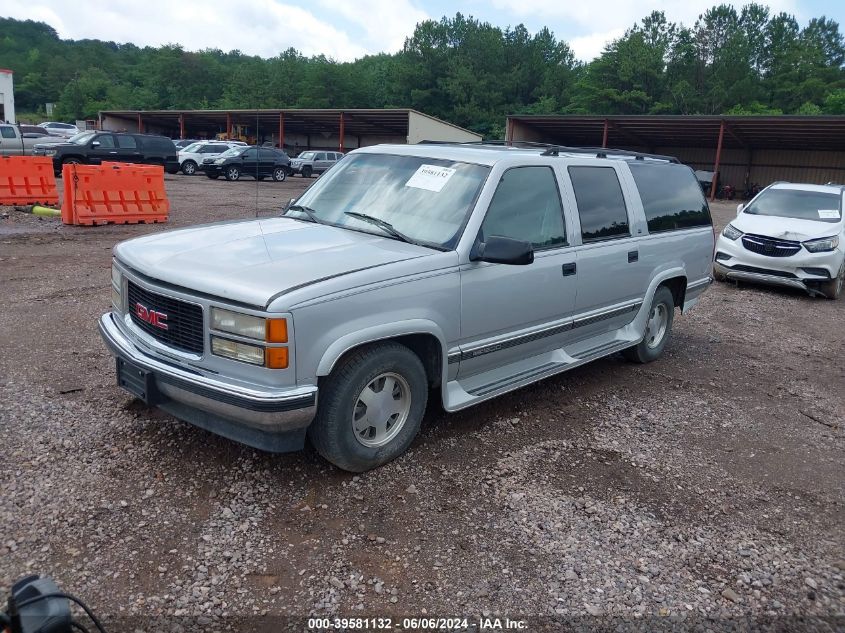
(15, 143)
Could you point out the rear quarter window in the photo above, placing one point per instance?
(672, 198)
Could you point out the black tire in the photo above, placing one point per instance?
(279, 174)
(332, 432)
(232, 173)
(306, 172)
(833, 289)
(71, 161)
(648, 350)
(189, 168)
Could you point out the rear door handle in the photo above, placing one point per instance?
(568, 269)
(633, 256)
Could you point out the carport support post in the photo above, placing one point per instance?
(140, 124)
(342, 133)
(181, 125)
(604, 134)
(282, 131)
(718, 159)
(228, 125)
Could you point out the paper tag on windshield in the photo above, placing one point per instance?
(430, 177)
(829, 214)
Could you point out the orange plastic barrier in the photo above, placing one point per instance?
(114, 193)
(27, 180)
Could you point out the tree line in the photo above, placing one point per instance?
(469, 72)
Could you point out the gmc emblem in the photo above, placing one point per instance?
(156, 319)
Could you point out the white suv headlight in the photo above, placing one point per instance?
(731, 232)
(823, 244)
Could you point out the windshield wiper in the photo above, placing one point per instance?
(384, 225)
(312, 215)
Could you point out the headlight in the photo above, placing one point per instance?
(731, 232)
(219, 161)
(252, 354)
(259, 328)
(823, 244)
(116, 288)
(49, 152)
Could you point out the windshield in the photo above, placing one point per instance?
(193, 147)
(306, 155)
(795, 203)
(425, 199)
(82, 138)
(235, 151)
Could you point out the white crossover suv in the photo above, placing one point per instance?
(790, 235)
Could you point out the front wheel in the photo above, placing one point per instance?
(658, 328)
(279, 174)
(189, 168)
(232, 173)
(370, 407)
(833, 289)
(306, 172)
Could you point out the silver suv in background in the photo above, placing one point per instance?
(314, 162)
(60, 129)
(192, 156)
(464, 271)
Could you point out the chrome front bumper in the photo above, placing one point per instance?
(253, 416)
(760, 278)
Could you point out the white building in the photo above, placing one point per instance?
(7, 96)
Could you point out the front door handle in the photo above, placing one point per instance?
(633, 256)
(568, 269)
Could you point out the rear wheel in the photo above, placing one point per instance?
(833, 289)
(279, 174)
(370, 407)
(189, 168)
(232, 173)
(306, 172)
(658, 328)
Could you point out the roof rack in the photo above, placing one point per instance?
(556, 150)
(606, 152)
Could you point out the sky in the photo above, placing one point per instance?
(347, 29)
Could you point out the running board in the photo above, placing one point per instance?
(460, 394)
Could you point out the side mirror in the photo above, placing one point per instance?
(95, 143)
(288, 205)
(739, 209)
(504, 250)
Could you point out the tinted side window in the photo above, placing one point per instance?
(126, 142)
(601, 205)
(526, 206)
(7, 131)
(672, 198)
(267, 154)
(320, 156)
(106, 141)
(250, 154)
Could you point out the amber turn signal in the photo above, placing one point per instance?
(276, 357)
(277, 331)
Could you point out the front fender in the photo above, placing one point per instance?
(379, 333)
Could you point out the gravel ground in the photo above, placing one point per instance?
(703, 489)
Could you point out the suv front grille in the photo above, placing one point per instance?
(183, 320)
(770, 246)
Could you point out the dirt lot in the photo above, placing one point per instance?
(705, 486)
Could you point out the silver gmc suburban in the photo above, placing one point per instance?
(463, 270)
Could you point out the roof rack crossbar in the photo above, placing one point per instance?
(552, 149)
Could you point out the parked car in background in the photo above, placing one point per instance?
(465, 271)
(789, 235)
(15, 143)
(257, 162)
(35, 131)
(93, 148)
(60, 129)
(310, 163)
(184, 142)
(191, 157)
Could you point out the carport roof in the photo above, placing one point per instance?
(748, 132)
(305, 121)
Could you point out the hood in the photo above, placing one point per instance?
(254, 261)
(57, 144)
(785, 228)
